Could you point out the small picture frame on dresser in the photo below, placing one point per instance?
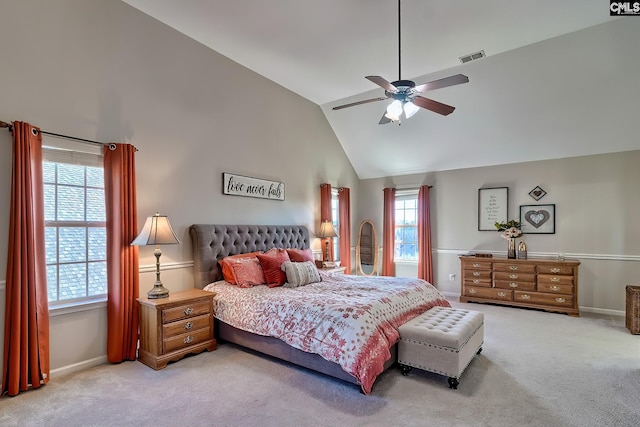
(538, 219)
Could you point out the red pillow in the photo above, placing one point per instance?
(300, 255)
(247, 272)
(225, 263)
(271, 262)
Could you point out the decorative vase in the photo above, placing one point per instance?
(511, 250)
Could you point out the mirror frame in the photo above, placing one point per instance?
(374, 236)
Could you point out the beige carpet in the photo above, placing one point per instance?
(536, 369)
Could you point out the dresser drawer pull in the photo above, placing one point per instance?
(476, 273)
(476, 265)
(188, 340)
(513, 267)
(513, 276)
(560, 300)
(513, 284)
(525, 296)
(188, 325)
(472, 291)
(476, 281)
(555, 270)
(188, 311)
(554, 279)
(555, 288)
(502, 294)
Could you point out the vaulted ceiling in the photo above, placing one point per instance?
(553, 71)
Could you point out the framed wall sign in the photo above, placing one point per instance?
(492, 207)
(538, 219)
(238, 185)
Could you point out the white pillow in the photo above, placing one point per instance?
(300, 273)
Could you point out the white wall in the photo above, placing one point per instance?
(596, 198)
(103, 70)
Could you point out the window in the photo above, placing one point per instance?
(406, 229)
(75, 226)
(335, 219)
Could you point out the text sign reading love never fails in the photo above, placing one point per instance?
(238, 185)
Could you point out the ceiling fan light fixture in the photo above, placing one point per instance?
(394, 109)
(410, 109)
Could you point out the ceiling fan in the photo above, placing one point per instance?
(406, 95)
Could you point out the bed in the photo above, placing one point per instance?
(376, 320)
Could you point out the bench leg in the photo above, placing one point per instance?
(453, 383)
(405, 369)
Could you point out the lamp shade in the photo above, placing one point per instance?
(326, 230)
(156, 231)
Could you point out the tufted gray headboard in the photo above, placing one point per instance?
(213, 242)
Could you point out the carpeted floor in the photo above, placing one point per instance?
(536, 369)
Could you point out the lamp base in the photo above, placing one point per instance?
(158, 291)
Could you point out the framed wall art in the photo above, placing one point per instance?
(537, 193)
(238, 185)
(492, 207)
(538, 219)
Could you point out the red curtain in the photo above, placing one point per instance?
(26, 324)
(425, 259)
(122, 258)
(344, 206)
(388, 232)
(325, 215)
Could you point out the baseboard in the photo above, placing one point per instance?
(80, 366)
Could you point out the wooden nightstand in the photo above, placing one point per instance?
(173, 327)
(334, 270)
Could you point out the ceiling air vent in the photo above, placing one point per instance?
(472, 56)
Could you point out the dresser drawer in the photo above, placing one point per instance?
(489, 293)
(195, 308)
(555, 288)
(476, 265)
(543, 298)
(185, 340)
(554, 279)
(556, 269)
(186, 325)
(517, 276)
(515, 267)
(478, 282)
(514, 284)
(477, 274)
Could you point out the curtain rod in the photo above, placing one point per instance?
(111, 145)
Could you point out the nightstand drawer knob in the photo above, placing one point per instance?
(555, 270)
(188, 325)
(188, 311)
(554, 279)
(476, 273)
(555, 288)
(513, 276)
(513, 284)
(560, 300)
(476, 265)
(188, 340)
(513, 267)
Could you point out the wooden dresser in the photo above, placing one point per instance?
(537, 283)
(173, 327)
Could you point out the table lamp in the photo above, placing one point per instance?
(156, 231)
(326, 232)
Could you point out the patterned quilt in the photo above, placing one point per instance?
(349, 320)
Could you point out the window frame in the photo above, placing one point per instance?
(81, 154)
(404, 195)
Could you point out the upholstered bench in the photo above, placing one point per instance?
(442, 340)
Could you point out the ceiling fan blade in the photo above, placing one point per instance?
(447, 81)
(435, 106)
(382, 82)
(366, 101)
(384, 120)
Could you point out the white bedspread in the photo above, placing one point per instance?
(350, 320)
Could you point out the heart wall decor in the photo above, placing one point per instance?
(537, 193)
(538, 219)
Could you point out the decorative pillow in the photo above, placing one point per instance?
(225, 264)
(271, 262)
(300, 273)
(300, 255)
(247, 272)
